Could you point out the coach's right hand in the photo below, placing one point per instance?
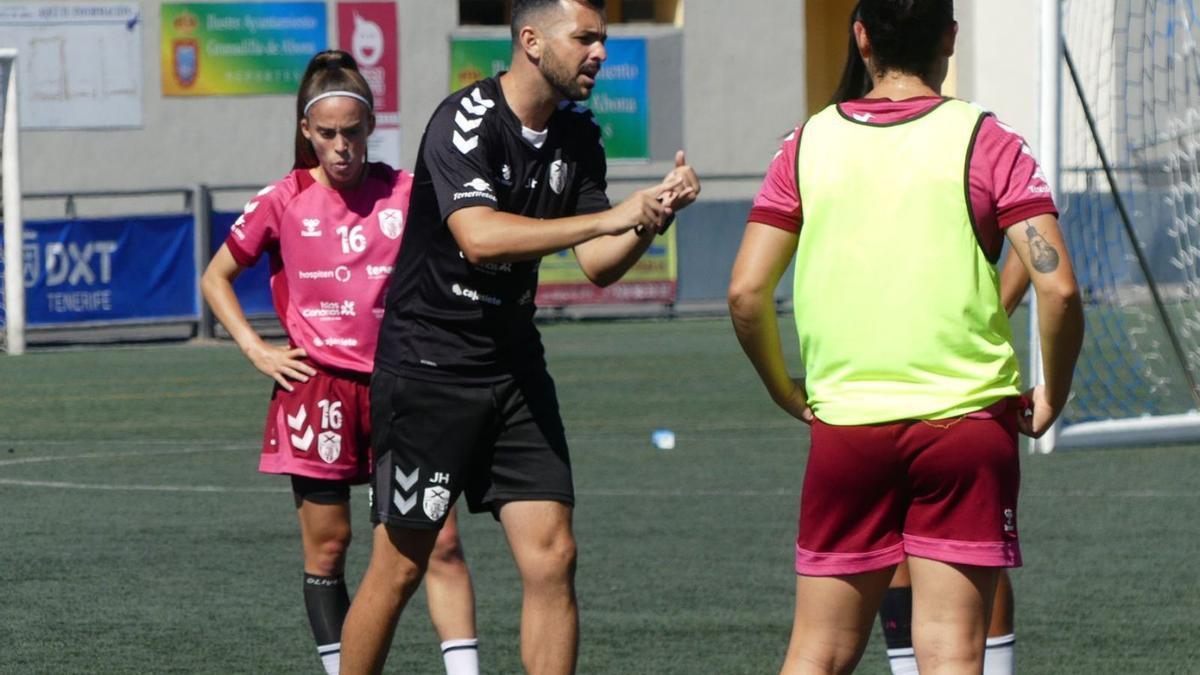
(281, 364)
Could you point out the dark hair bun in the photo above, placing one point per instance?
(334, 58)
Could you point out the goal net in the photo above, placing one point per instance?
(1128, 193)
(12, 299)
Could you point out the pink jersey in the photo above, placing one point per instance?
(1007, 185)
(331, 253)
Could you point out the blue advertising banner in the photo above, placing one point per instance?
(620, 100)
(134, 268)
(253, 286)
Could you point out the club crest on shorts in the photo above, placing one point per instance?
(437, 502)
(329, 446)
(391, 222)
(1010, 523)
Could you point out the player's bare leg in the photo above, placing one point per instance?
(325, 532)
(543, 546)
(896, 617)
(951, 612)
(1002, 607)
(399, 558)
(833, 621)
(452, 599)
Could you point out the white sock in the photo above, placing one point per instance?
(461, 656)
(331, 657)
(1000, 658)
(903, 661)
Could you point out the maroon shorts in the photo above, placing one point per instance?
(939, 489)
(322, 429)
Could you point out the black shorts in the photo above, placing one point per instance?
(495, 442)
(320, 490)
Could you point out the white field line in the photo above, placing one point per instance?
(594, 492)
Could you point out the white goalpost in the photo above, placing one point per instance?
(10, 199)
(1120, 140)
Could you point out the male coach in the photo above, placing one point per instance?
(510, 170)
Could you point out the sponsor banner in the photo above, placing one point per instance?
(368, 31)
(619, 99)
(654, 279)
(80, 63)
(253, 286)
(133, 268)
(224, 49)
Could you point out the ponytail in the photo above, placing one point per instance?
(855, 82)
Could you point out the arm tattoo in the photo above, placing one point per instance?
(1043, 256)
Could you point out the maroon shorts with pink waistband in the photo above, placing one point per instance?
(939, 489)
(321, 429)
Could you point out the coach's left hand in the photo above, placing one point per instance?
(689, 188)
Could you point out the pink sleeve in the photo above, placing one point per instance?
(1007, 185)
(778, 200)
(257, 229)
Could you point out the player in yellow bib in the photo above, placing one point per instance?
(895, 207)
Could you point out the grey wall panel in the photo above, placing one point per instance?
(425, 27)
(743, 63)
(708, 239)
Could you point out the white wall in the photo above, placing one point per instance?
(997, 55)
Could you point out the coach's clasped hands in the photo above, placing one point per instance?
(688, 183)
(649, 211)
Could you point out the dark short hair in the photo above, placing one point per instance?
(523, 9)
(906, 35)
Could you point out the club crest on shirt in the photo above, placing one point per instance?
(558, 176)
(391, 223)
(436, 502)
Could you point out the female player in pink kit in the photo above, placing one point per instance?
(895, 207)
(331, 229)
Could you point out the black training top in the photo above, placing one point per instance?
(447, 319)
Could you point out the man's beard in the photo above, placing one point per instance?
(564, 79)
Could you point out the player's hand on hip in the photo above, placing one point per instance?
(689, 185)
(795, 402)
(282, 364)
(1037, 412)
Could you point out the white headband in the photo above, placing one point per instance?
(331, 94)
